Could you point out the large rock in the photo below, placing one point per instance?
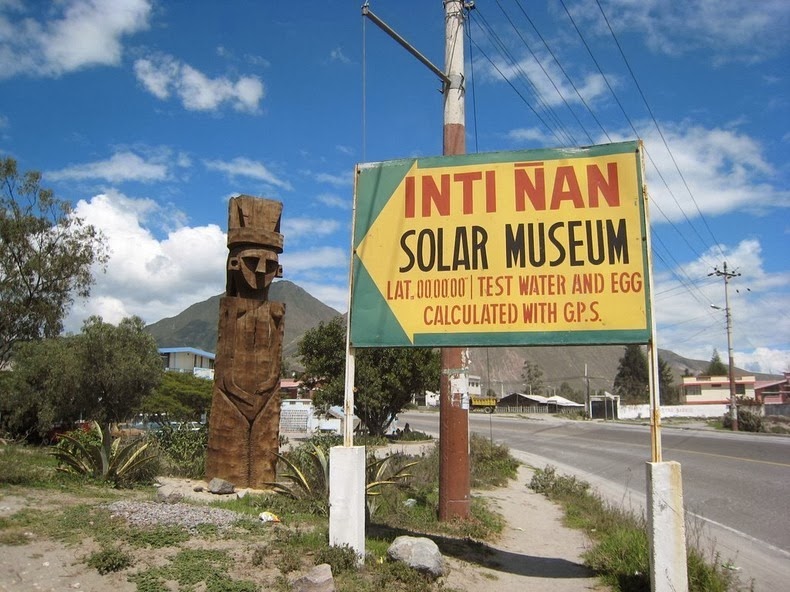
(319, 579)
(419, 553)
(220, 486)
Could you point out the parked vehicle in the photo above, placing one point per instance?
(485, 404)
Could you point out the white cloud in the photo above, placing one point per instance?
(320, 258)
(341, 180)
(729, 29)
(334, 201)
(689, 326)
(315, 227)
(335, 296)
(120, 167)
(532, 134)
(83, 33)
(156, 279)
(164, 75)
(148, 277)
(245, 167)
(548, 81)
(337, 55)
(725, 170)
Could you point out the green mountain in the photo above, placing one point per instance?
(197, 325)
(498, 367)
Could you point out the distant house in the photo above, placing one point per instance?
(536, 403)
(300, 416)
(289, 388)
(474, 386)
(773, 392)
(715, 390)
(188, 359)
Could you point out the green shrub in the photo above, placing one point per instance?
(110, 560)
(341, 558)
(414, 436)
(747, 421)
(491, 464)
(557, 487)
(183, 450)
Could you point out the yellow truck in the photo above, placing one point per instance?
(484, 404)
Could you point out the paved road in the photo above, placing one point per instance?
(735, 485)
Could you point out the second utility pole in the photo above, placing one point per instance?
(730, 358)
(454, 479)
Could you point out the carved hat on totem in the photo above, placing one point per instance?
(255, 221)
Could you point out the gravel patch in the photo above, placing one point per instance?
(189, 516)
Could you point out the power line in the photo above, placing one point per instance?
(660, 131)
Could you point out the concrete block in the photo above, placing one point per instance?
(666, 528)
(347, 498)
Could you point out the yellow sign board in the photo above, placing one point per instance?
(530, 247)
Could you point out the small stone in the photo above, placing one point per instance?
(198, 488)
(167, 496)
(419, 553)
(220, 486)
(319, 579)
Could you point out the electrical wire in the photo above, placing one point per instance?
(660, 132)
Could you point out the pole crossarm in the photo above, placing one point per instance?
(407, 46)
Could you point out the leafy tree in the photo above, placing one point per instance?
(716, 367)
(103, 373)
(631, 382)
(567, 391)
(46, 257)
(42, 389)
(669, 392)
(532, 375)
(119, 366)
(180, 396)
(385, 378)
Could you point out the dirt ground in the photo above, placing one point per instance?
(535, 552)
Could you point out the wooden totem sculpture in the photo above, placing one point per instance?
(245, 409)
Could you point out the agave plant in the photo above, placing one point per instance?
(307, 475)
(102, 458)
(380, 472)
(305, 482)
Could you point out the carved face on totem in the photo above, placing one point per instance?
(251, 270)
(254, 266)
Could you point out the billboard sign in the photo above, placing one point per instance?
(532, 247)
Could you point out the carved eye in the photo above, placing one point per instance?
(233, 262)
(272, 266)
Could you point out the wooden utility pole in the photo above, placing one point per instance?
(454, 479)
(731, 361)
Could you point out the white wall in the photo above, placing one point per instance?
(643, 411)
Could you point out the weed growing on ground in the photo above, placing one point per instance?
(620, 552)
(491, 464)
(27, 466)
(109, 560)
(341, 559)
(182, 451)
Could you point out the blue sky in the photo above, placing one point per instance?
(148, 115)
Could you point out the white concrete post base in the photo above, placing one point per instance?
(666, 528)
(347, 498)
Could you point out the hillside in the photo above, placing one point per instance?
(197, 325)
(498, 367)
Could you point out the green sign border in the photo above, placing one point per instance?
(372, 323)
